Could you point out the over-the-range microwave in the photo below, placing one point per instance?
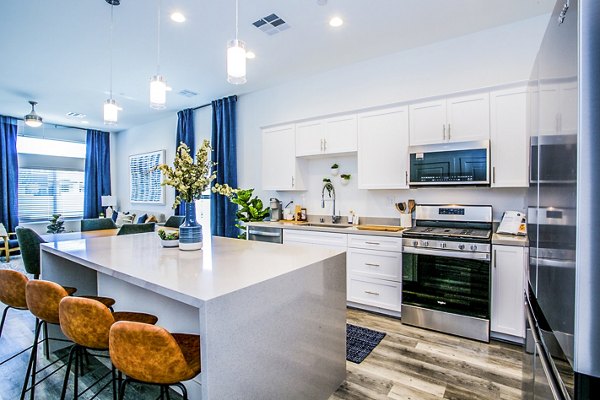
(460, 163)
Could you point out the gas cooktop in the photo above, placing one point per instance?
(462, 233)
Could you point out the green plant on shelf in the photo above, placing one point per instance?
(164, 235)
(56, 224)
(335, 166)
(345, 176)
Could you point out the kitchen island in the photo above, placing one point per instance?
(272, 318)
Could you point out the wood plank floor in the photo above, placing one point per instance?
(409, 364)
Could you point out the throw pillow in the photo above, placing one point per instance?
(123, 218)
(142, 218)
(152, 218)
(114, 216)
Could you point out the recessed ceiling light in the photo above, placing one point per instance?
(250, 55)
(178, 17)
(336, 22)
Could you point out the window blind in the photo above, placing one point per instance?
(43, 192)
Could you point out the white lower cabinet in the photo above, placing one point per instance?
(509, 266)
(374, 268)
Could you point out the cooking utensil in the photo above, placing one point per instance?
(411, 206)
(401, 207)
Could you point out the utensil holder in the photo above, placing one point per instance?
(406, 220)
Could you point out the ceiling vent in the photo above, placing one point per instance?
(271, 24)
(75, 115)
(188, 93)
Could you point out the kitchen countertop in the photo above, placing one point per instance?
(342, 228)
(510, 240)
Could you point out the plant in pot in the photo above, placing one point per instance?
(56, 224)
(168, 239)
(190, 178)
(345, 179)
(334, 169)
(250, 209)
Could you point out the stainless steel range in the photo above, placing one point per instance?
(446, 270)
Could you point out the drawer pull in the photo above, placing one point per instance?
(372, 265)
(377, 243)
(443, 303)
(373, 293)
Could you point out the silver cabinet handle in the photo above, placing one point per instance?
(325, 144)
(449, 131)
(406, 177)
(372, 265)
(376, 243)
(493, 174)
(494, 261)
(322, 148)
(444, 131)
(373, 293)
(292, 181)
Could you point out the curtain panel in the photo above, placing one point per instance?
(97, 172)
(9, 173)
(224, 153)
(185, 134)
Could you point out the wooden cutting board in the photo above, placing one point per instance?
(388, 228)
(284, 221)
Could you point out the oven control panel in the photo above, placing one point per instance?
(448, 247)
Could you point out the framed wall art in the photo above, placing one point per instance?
(145, 184)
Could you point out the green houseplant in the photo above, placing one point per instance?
(56, 224)
(250, 209)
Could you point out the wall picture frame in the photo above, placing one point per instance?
(144, 182)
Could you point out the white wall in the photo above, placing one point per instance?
(157, 135)
(492, 57)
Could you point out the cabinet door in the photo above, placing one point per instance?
(309, 138)
(376, 264)
(468, 118)
(383, 149)
(509, 147)
(548, 103)
(508, 272)
(326, 239)
(340, 134)
(427, 122)
(279, 169)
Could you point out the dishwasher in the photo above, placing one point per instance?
(264, 234)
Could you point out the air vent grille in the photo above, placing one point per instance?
(188, 93)
(271, 24)
(75, 115)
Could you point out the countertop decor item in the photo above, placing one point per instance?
(168, 239)
(250, 209)
(190, 178)
(345, 178)
(334, 169)
(56, 224)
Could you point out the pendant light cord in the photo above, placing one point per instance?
(236, 19)
(112, 6)
(158, 40)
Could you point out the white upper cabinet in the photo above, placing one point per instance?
(510, 144)
(326, 136)
(383, 149)
(280, 168)
(557, 104)
(455, 119)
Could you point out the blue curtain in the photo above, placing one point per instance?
(223, 142)
(97, 172)
(185, 134)
(9, 173)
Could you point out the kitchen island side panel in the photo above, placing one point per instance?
(282, 339)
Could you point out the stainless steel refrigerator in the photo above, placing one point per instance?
(563, 298)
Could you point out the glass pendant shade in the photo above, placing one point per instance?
(110, 112)
(158, 92)
(236, 62)
(32, 119)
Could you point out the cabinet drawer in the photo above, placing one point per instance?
(387, 243)
(373, 292)
(376, 264)
(318, 238)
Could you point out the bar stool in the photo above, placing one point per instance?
(43, 298)
(150, 354)
(87, 323)
(12, 293)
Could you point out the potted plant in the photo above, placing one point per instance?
(250, 209)
(334, 169)
(345, 179)
(168, 239)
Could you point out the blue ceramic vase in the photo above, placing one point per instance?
(190, 232)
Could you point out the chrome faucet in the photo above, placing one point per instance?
(331, 191)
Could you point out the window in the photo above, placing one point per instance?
(51, 178)
(43, 192)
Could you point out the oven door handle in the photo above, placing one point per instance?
(447, 253)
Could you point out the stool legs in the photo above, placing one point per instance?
(3, 318)
(31, 367)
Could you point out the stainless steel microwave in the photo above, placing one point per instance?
(460, 163)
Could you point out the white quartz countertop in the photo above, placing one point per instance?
(223, 265)
(339, 228)
(509, 240)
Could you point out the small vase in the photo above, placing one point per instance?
(169, 243)
(334, 171)
(345, 182)
(190, 232)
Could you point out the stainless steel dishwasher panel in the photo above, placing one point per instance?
(264, 234)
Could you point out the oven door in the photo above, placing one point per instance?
(439, 280)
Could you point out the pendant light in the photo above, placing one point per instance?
(32, 119)
(158, 86)
(236, 56)
(111, 110)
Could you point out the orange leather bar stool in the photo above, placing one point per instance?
(87, 323)
(43, 299)
(150, 354)
(12, 293)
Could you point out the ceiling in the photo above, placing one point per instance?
(57, 52)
